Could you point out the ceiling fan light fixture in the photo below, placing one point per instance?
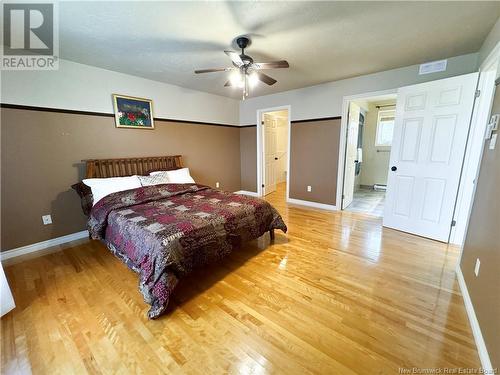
(236, 79)
(253, 79)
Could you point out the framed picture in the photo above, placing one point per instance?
(133, 113)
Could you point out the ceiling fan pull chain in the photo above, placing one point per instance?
(245, 92)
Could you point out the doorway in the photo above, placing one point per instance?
(430, 136)
(273, 136)
(368, 147)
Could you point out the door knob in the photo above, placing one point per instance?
(394, 168)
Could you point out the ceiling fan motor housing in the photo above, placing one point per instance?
(246, 59)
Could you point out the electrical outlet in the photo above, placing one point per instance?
(217, 185)
(476, 268)
(309, 188)
(46, 219)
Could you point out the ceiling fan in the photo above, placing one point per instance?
(245, 72)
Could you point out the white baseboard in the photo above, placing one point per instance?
(244, 192)
(322, 206)
(474, 323)
(300, 202)
(42, 245)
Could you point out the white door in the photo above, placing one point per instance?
(270, 154)
(351, 154)
(430, 136)
(7, 300)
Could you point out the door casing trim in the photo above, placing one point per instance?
(343, 136)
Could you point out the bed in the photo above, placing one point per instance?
(164, 231)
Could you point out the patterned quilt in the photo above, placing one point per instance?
(164, 231)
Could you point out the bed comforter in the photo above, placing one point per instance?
(164, 231)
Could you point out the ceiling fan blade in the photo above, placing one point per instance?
(227, 84)
(266, 79)
(272, 65)
(235, 58)
(213, 70)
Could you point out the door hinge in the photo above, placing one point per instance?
(262, 185)
(478, 92)
(453, 223)
(343, 196)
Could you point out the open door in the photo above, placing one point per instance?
(430, 137)
(270, 154)
(351, 154)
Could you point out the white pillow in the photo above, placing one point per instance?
(104, 186)
(178, 176)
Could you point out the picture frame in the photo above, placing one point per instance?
(132, 112)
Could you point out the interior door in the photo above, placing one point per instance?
(351, 154)
(270, 154)
(430, 136)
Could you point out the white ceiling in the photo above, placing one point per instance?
(322, 41)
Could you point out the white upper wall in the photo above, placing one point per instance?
(489, 43)
(85, 88)
(325, 100)
(81, 87)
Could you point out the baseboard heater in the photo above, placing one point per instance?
(379, 187)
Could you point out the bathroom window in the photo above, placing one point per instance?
(385, 128)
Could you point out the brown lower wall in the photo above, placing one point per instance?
(41, 155)
(483, 242)
(248, 149)
(314, 151)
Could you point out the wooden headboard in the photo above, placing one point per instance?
(103, 168)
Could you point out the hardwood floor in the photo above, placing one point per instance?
(336, 295)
